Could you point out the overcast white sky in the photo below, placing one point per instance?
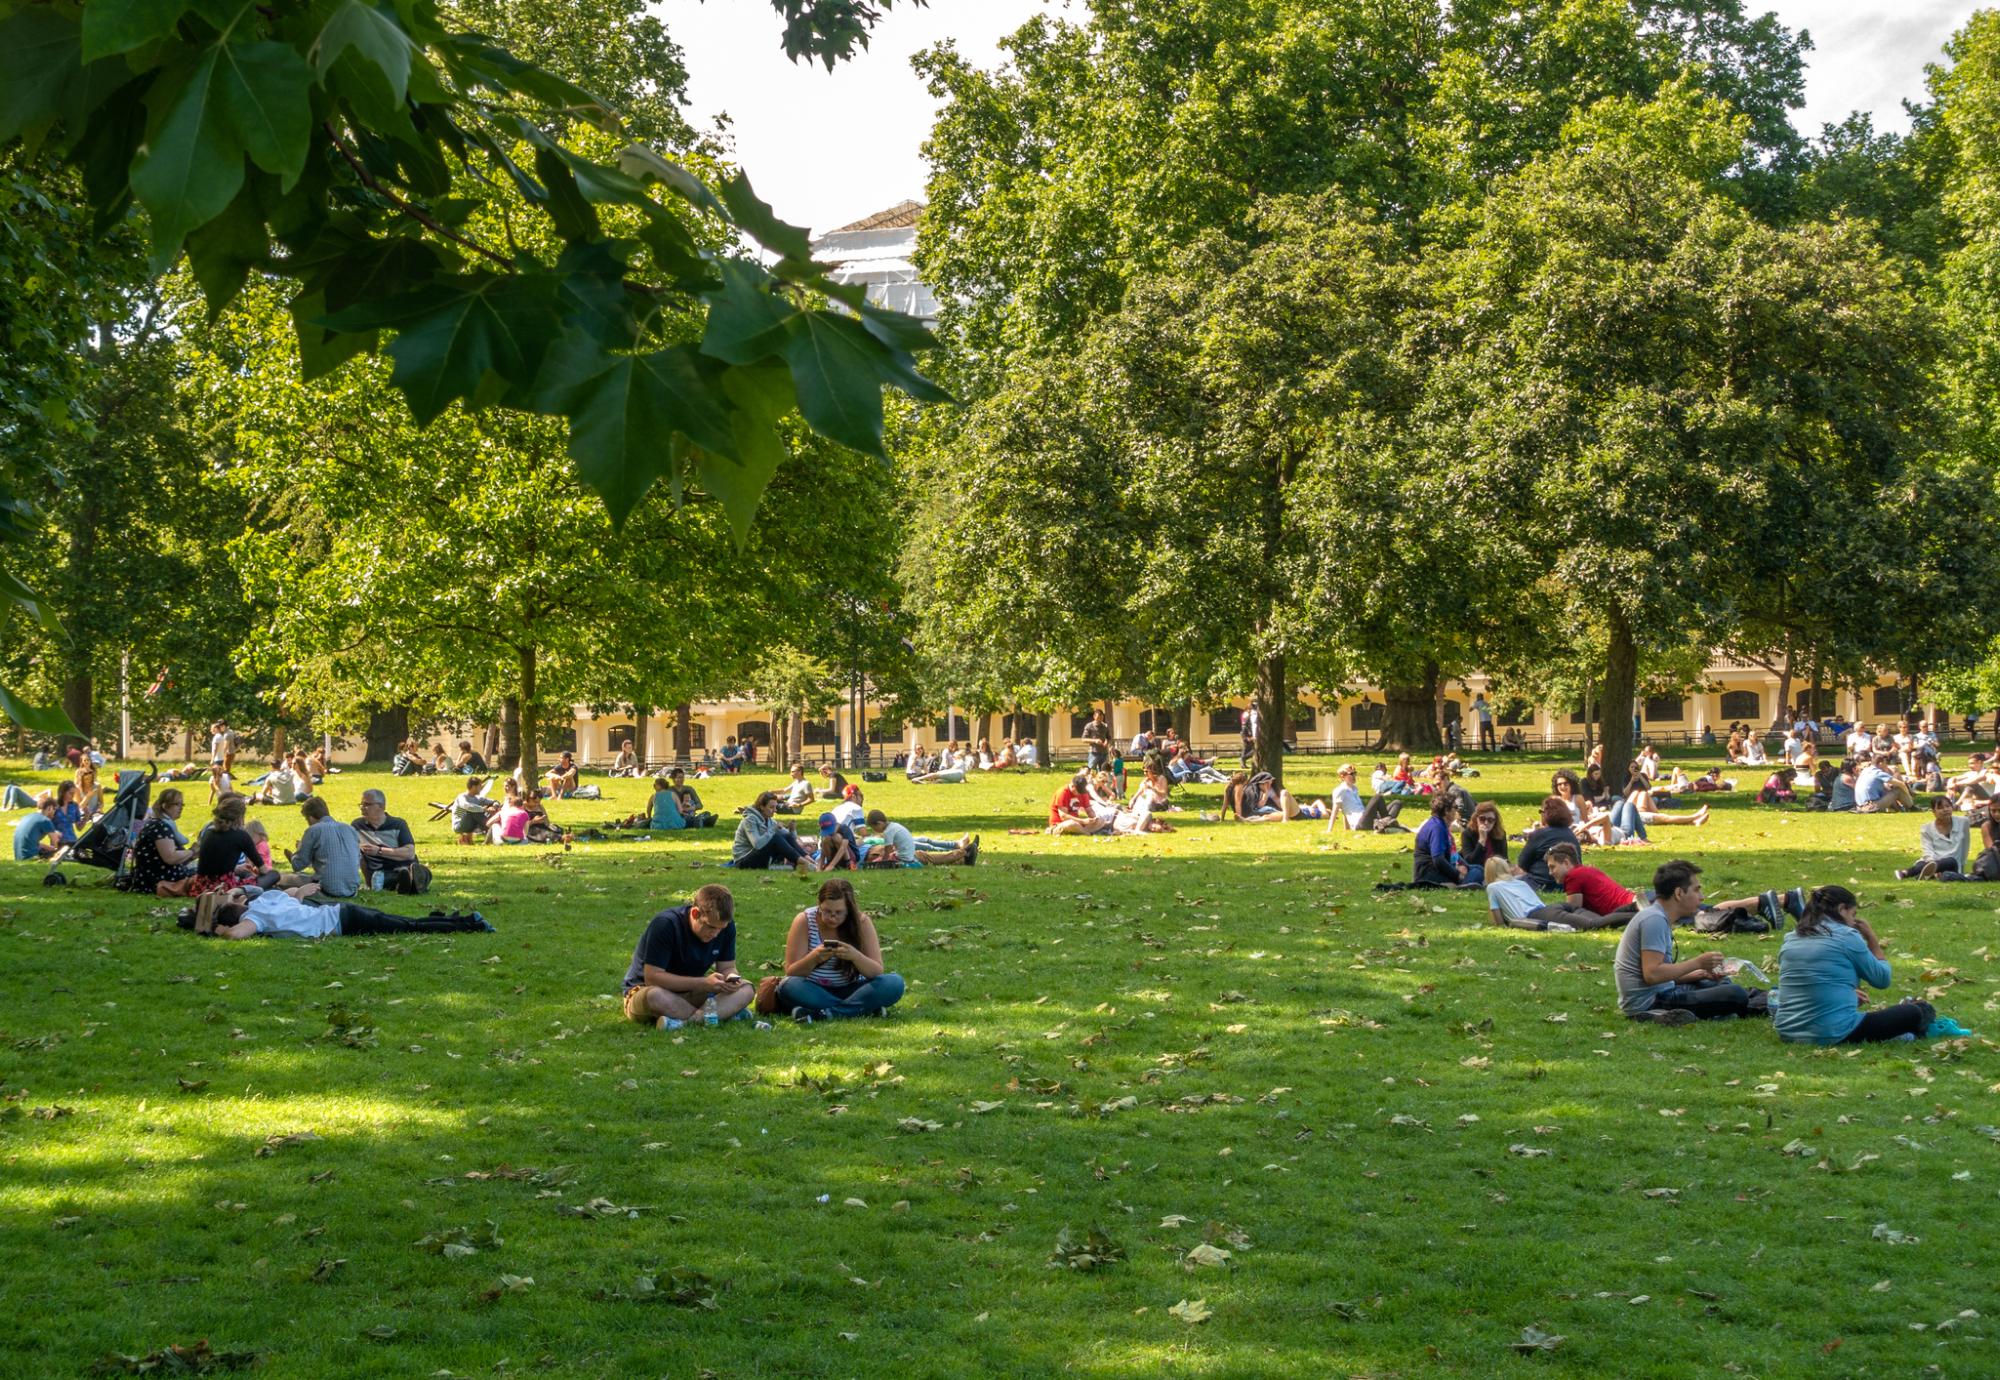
(825, 149)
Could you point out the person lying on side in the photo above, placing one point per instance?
(1595, 900)
(1511, 900)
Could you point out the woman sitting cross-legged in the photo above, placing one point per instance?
(833, 960)
(1831, 950)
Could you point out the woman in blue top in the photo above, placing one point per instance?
(1821, 962)
(1437, 861)
(69, 814)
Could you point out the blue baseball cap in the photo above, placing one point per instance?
(828, 824)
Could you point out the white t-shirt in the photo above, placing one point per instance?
(276, 913)
(848, 813)
(1024, 755)
(797, 792)
(1650, 766)
(1348, 801)
(1514, 898)
(1859, 741)
(900, 841)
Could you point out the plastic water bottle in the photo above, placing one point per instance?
(708, 1015)
(375, 880)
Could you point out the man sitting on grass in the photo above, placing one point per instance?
(472, 812)
(388, 848)
(1070, 812)
(329, 852)
(1652, 986)
(36, 836)
(230, 915)
(1595, 900)
(687, 955)
(798, 792)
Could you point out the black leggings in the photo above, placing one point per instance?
(780, 845)
(1382, 809)
(1713, 1000)
(1904, 1018)
(358, 919)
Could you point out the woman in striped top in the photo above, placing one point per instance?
(833, 960)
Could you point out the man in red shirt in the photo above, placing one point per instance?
(1070, 813)
(1593, 897)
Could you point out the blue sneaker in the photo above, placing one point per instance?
(668, 1023)
(1945, 1028)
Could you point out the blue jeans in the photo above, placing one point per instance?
(862, 999)
(934, 845)
(1625, 815)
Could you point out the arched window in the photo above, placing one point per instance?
(756, 731)
(1746, 705)
(1663, 709)
(1304, 718)
(1226, 720)
(1365, 717)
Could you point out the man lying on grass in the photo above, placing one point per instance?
(233, 914)
(686, 956)
(1595, 900)
(1652, 986)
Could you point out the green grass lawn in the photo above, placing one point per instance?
(1414, 1136)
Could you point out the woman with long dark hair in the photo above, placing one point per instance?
(833, 960)
(1484, 837)
(1831, 950)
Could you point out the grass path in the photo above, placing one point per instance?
(1412, 1135)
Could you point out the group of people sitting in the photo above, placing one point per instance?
(57, 817)
(336, 860)
(1830, 953)
(412, 760)
(850, 836)
(952, 763)
(1090, 802)
(684, 966)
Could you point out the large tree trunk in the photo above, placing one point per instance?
(387, 728)
(531, 764)
(640, 713)
(1621, 679)
(77, 693)
(489, 745)
(1044, 750)
(1274, 702)
(278, 740)
(510, 733)
(1410, 716)
(983, 729)
(1781, 711)
(795, 741)
(683, 731)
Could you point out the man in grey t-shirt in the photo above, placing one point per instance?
(1651, 985)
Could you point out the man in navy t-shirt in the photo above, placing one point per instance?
(686, 956)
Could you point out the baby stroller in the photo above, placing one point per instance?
(104, 843)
